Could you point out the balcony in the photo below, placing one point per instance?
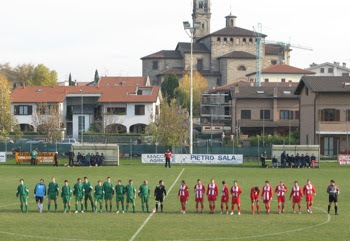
(268, 123)
(333, 126)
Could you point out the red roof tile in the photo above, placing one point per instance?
(122, 81)
(283, 69)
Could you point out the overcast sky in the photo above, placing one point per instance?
(79, 36)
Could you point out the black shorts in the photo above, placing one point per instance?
(160, 199)
(333, 198)
(39, 199)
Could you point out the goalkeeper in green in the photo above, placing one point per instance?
(108, 188)
(130, 195)
(79, 192)
(144, 193)
(98, 195)
(120, 191)
(88, 193)
(53, 192)
(22, 192)
(66, 196)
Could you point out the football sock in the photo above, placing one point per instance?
(156, 206)
(81, 206)
(226, 207)
(161, 207)
(55, 207)
(118, 207)
(329, 208)
(134, 208)
(143, 207)
(239, 208)
(76, 207)
(299, 206)
(127, 207)
(48, 207)
(257, 207)
(336, 209)
(123, 207)
(147, 207)
(252, 207)
(68, 207)
(197, 206)
(26, 208)
(92, 205)
(85, 205)
(222, 208)
(110, 207)
(232, 208)
(202, 206)
(279, 208)
(22, 208)
(106, 206)
(101, 206)
(64, 207)
(282, 207)
(213, 207)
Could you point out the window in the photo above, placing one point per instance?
(328, 146)
(155, 64)
(286, 115)
(23, 109)
(283, 80)
(273, 62)
(242, 68)
(199, 64)
(264, 114)
(330, 115)
(244, 40)
(218, 82)
(347, 115)
(81, 124)
(116, 110)
(232, 23)
(246, 114)
(322, 70)
(251, 80)
(330, 70)
(297, 115)
(227, 111)
(250, 40)
(139, 109)
(307, 91)
(139, 92)
(266, 80)
(287, 92)
(218, 39)
(203, 26)
(47, 109)
(225, 39)
(227, 98)
(231, 40)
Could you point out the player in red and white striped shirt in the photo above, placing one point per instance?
(224, 197)
(236, 197)
(212, 193)
(297, 194)
(199, 191)
(267, 196)
(281, 191)
(309, 192)
(183, 195)
(254, 198)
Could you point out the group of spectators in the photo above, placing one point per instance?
(291, 161)
(90, 159)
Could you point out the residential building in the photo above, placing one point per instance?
(271, 109)
(222, 57)
(329, 69)
(122, 109)
(324, 112)
(280, 73)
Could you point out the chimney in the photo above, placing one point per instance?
(230, 21)
(275, 92)
(344, 65)
(236, 88)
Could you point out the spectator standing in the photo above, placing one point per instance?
(297, 161)
(307, 160)
(102, 159)
(283, 159)
(55, 159)
(71, 158)
(167, 158)
(302, 161)
(274, 162)
(289, 161)
(263, 159)
(34, 154)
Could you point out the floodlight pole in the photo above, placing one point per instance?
(82, 119)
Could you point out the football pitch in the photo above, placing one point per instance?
(173, 225)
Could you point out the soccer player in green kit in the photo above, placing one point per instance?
(108, 188)
(144, 193)
(88, 190)
(79, 192)
(120, 191)
(66, 196)
(98, 195)
(130, 195)
(22, 192)
(53, 192)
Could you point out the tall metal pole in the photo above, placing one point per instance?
(191, 95)
(82, 118)
(347, 131)
(263, 127)
(289, 130)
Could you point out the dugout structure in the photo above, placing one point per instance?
(294, 149)
(110, 152)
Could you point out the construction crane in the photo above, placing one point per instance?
(287, 48)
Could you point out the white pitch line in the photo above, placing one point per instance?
(267, 235)
(150, 216)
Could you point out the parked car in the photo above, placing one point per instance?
(35, 142)
(68, 141)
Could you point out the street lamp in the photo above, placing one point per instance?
(190, 30)
(82, 118)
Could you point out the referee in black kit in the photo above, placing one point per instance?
(159, 194)
(333, 192)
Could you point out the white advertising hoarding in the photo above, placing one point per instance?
(204, 159)
(2, 156)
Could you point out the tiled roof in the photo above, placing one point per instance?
(273, 49)
(253, 92)
(197, 47)
(283, 69)
(330, 84)
(164, 54)
(57, 94)
(234, 31)
(175, 70)
(231, 86)
(122, 81)
(181, 71)
(239, 55)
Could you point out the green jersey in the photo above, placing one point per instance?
(108, 188)
(98, 191)
(22, 190)
(120, 190)
(87, 187)
(53, 189)
(130, 190)
(144, 190)
(78, 189)
(34, 154)
(66, 191)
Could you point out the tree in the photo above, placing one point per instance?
(24, 74)
(170, 83)
(6, 119)
(70, 81)
(97, 77)
(182, 93)
(170, 128)
(48, 120)
(43, 76)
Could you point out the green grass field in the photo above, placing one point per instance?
(172, 225)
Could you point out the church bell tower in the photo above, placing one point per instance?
(201, 16)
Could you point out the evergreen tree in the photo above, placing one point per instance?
(97, 77)
(70, 81)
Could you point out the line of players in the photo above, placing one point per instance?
(84, 192)
(281, 190)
